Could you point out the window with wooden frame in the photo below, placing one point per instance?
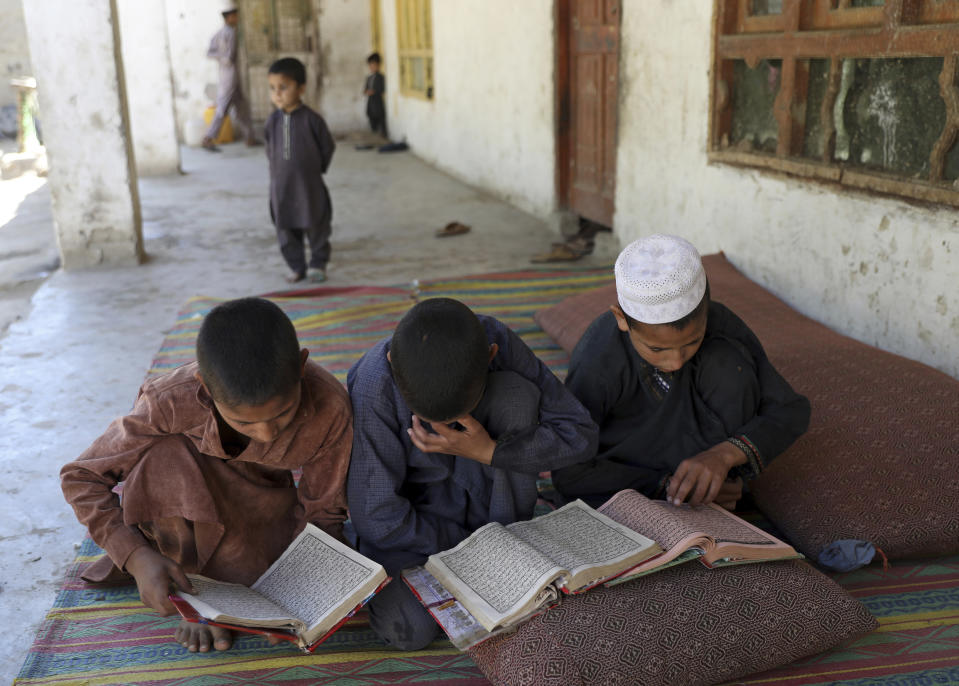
(859, 92)
(414, 28)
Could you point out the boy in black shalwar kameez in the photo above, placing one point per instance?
(373, 89)
(687, 403)
(299, 146)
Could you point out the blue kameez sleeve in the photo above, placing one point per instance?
(565, 435)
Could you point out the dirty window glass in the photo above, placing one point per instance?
(815, 139)
(760, 7)
(891, 114)
(754, 92)
(842, 91)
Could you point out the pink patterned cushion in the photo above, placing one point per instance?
(687, 624)
(879, 462)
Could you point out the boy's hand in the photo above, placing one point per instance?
(730, 493)
(701, 476)
(473, 442)
(154, 573)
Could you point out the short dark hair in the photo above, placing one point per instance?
(682, 323)
(440, 358)
(227, 13)
(374, 57)
(248, 352)
(291, 68)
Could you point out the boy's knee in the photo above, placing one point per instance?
(509, 404)
(400, 620)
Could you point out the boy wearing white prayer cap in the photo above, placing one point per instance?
(687, 402)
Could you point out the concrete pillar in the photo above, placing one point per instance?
(14, 53)
(79, 68)
(149, 83)
(345, 42)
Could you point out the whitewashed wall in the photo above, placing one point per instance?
(149, 84)
(96, 207)
(14, 51)
(345, 37)
(191, 24)
(880, 270)
(491, 122)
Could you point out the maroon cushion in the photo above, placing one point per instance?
(687, 624)
(567, 321)
(879, 462)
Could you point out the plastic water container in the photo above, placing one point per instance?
(193, 131)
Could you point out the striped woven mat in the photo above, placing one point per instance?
(104, 635)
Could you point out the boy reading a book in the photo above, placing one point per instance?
(455, 417)
(205, 458)
(687, 402)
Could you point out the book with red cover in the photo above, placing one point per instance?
(307, 594)
(189, 613)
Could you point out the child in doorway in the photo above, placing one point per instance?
(299, 146)
(373, 90)
(455, 417)
(687, 402)
(205, 458)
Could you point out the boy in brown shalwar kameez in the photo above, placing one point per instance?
(205, 459)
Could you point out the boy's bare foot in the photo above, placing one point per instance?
(201, 638)
(208, 144)
(293, 277)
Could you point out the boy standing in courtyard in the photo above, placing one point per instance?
(299, 146)
(373, 89)
(205, 459)
(687, 403)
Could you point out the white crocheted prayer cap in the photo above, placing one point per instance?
(659, 279)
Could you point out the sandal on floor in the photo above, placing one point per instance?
(559, 253)
(452, 229)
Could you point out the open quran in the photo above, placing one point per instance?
(502, 575)
(314, 586)
(708, 532)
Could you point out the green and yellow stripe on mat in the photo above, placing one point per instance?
(105, 636)
(339, 325)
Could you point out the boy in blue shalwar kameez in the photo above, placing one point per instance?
(454, 417)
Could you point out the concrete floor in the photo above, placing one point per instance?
(28, 251)
(76, 359)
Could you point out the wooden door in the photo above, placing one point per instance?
(271, 29)
(588, 86)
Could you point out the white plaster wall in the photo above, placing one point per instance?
(877, 269)
(491, 122)
(345, 38)
(149, 83)
(14, 52)
(190, 25)
(93, 189)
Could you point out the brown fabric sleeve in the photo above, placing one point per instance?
(322, 487)
(88, 481)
